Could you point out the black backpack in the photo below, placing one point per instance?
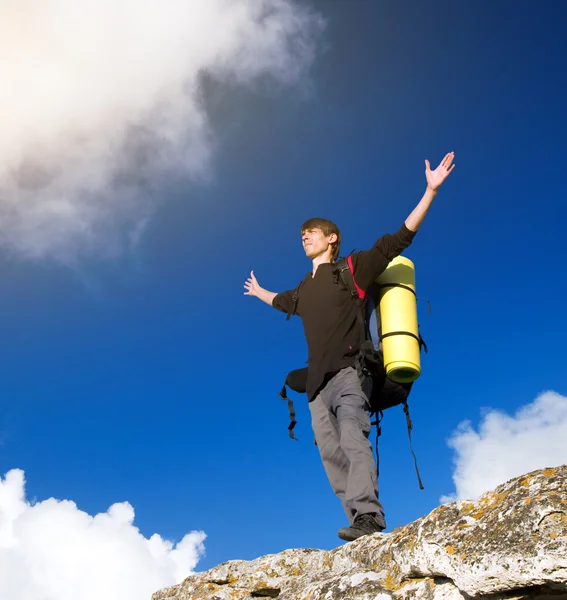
(370, 363)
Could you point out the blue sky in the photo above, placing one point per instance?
(151, 378)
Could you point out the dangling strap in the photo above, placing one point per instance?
(378, 422)
(291, 408)
(422, 343)
(410, 427)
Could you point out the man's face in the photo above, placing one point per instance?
(316, 243)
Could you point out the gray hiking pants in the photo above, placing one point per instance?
(341, 423)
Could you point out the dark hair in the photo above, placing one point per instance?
(327, 227)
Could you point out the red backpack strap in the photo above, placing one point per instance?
(361, 293)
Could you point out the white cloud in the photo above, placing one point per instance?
(97, 98)
(51, 550)
(509, 446)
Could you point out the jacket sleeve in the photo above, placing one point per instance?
(284, 301)
(369, 264)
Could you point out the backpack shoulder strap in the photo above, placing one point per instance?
(345, 270)
(359, 291)
(295, 299)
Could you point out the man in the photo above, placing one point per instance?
(338, 399)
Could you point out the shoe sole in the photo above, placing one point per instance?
(348, 537)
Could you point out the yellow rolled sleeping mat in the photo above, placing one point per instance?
(398, 316)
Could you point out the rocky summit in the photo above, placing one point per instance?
(510, 544)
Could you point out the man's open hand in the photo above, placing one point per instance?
(251, 286)
(437, 177)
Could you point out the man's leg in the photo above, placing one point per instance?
(350, 404)
(326, 430)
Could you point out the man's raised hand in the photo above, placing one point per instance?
(437, 177)
(251, 286)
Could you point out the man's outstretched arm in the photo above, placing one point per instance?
(253, 288)
(434, 181)
(369, 264)
(283, 301)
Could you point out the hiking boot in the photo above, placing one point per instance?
(363, 525)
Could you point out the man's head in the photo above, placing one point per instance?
(320, 236)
